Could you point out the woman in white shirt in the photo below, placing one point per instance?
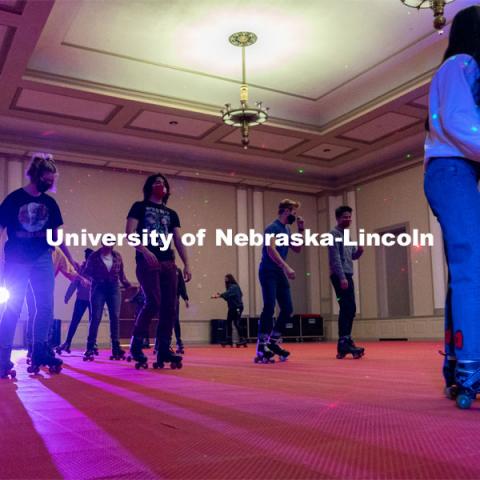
(452, 163)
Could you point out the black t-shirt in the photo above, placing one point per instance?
(27, 219)
(153, 216)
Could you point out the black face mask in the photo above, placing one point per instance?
(42, 186)
(291, 219)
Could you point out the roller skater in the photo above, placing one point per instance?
(274, 275)
(6, 366)
(181, 293)
(43, 356)
(233, 296)
(156, 269)
(168, 356)
(27, 214)
(341, 258)
(346, 346)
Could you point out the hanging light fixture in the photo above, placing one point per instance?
(438, 7)
(245, 116)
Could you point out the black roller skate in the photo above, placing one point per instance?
(467, 377)
(347, 346)
(95, 350)
(274, 346)
(44, 356)
(136, 353)
(170, 357)
(64, 347)
(89, 354)
(264, 354)
(29, 353)
(180, 350)
(227, 342)
(117, 352)
(6, 366)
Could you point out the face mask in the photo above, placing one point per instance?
(43, 186)
(291, 219)
(159, 191)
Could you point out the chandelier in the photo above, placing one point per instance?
(438, 7)
(244, 116)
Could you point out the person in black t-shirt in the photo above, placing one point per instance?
(27, 213)
(156, 269)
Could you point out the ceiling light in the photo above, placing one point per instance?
(244, 116)
(438, 7)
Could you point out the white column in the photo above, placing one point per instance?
(352, 202)
(333, 203)
(14, 175)
(259, 226)
(242, 252)
(438, 264)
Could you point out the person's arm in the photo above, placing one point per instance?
(276, 258)
(187, 275)
(63, 265)
(65, 250)
(71, 290)
(458, 112)
(182, 288)
(357, 253)
(336, 266)
(301, 229)
(123, 278)
(150, 258)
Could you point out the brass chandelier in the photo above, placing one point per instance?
(244, 116)
(438, 7)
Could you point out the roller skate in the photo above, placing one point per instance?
(117, 352)
(467, 377)
(95, 350)
(89, 354)
(6, 366)
(263, 354)
(64, 347)
(241, 343)
(180, 350)
(136, 353)
(44, 356)
(170, 357)
(347, 346)
(29, 353)
(226, 342)
(274, 346)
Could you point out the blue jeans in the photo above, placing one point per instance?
(102, 293)
(452, 192)
(39, 273)
(275, 287)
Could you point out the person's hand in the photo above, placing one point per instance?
(300, 223)
(187, 304)
(187, 274)
(150, 258)
(289, 272)
(360, 250)
(344, 284)
(215, 295)
(84, 282)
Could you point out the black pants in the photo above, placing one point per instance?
(233, 319)
(176, 326)
(78, 312)
(346, 301)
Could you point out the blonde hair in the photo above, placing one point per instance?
(39, 164)
(286, 203)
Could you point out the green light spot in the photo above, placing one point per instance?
(301, 170)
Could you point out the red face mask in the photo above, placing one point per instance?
(159, 191)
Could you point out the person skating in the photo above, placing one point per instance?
(341, 275)
(274, 275)
(233, 296)
(156, 270)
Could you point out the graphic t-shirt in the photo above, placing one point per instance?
(276, 227)
(27, 219)
(155, 217)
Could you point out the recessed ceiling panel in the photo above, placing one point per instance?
(327, 151)
(171, 124)
(61, 105)
(380, 127)
(264, 140)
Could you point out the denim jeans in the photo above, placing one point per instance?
(102, 293)
(451, 188)
(78, 311)
(346, 301)
(39, 273)
(160, 288)
(275, 287)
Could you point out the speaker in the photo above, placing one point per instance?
(218, 331)
(252, 327)
(312, 325)
(292, 327)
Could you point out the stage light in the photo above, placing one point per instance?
(4, 295)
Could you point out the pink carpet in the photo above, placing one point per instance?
(223, 417)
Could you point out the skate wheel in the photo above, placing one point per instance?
(340, 356)
(155, 365)
(357, 356)
(111, 357)
(256, 360)
(85, 359)
(283, 359)
(173, 366)
(145, 366)
(463, 401)
(129, 358)
(179, 365)
(223, 346)
(451, 392)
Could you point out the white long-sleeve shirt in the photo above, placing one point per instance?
(454, 116)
